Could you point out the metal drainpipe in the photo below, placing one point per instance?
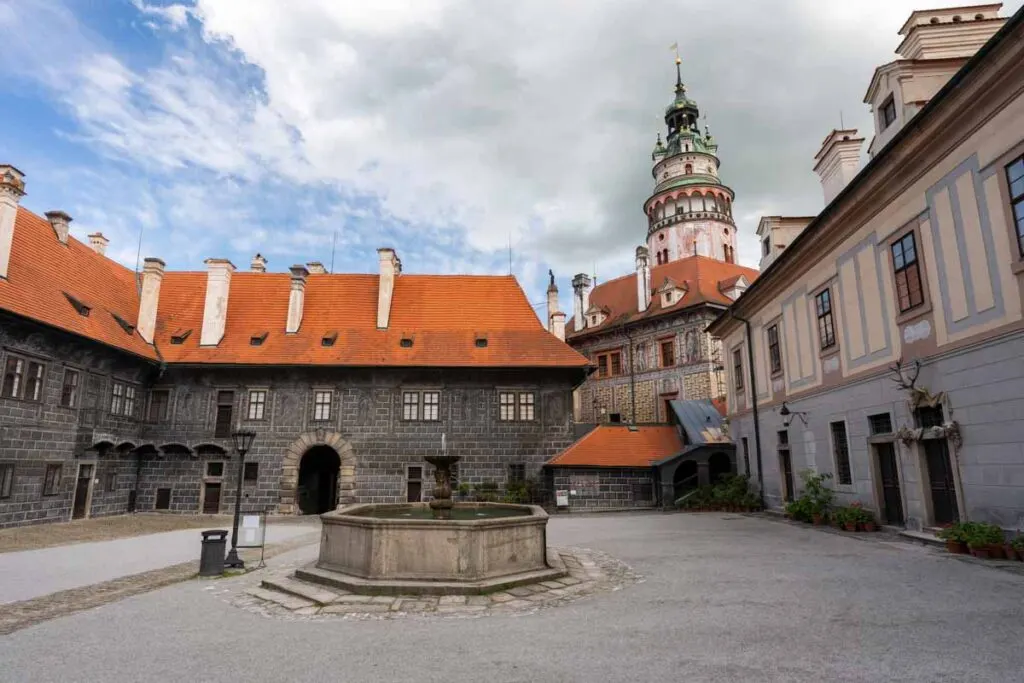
(632, 374)
(753, 402)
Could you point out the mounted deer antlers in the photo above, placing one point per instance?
(901, 379)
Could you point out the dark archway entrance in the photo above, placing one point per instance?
(318, 480)
(685, 478)
(719, 465)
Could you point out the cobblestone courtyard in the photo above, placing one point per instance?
(705, 597)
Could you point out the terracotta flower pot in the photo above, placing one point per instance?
(869, 526)
(996, 552)
(980, 552)
(817, 519)
(850, 526)
(1011, 554)
(956, 547)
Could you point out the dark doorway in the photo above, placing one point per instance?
(786, 464)
(414, 484)
(211, 499)
(685, 479)
(81, 505)
(892, 501)
(940, 481)
(318, 480)
(719, 465)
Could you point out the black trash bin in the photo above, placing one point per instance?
(211, 560)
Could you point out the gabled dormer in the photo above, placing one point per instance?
(671, 293)
(595, 315)
(776, 233)
(734, 286)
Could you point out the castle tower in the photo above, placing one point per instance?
(690, 211)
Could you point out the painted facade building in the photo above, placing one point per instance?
(884, 344)
(120, 390)
(645, 331)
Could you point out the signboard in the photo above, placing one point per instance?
(562, 499)
(253, 530)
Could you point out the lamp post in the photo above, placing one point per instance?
(243, 439)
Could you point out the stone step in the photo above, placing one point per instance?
(301, 589)
(358, 585)
(286, 600)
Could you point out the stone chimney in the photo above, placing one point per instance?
(215, 309)
(316, 268)
(390, 269)
(552, 302)
(558, 324)
(258, 264)
(581, 285)
(296, 298)
(98, 243)
(838, 161)
(643, 279)
(61, 223)
(152, 276)
(12, 189)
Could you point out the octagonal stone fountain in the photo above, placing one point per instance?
(438, 547)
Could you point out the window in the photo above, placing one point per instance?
(69, 390)
(258, 339)
(481, 342)
(51, 482)
(225, 413)
(411, 405)
(526, 406)
(746, 456)
(159, 405)
(516, 472)
(841, 448)
(888, 112)
(405, 342)
(826, 324)
(163, 499)
(1015, 179)
(908, 273)
(6, 479)
(414, 484)
(110, 480)
(129, 400)
(668, 353)
(609, 364)
(215, 469)
(880, 424)
(431, 405)
(322, 405)
(117, 398)
(23, 379)
(766, 247)
(507, 406)
(783, 438)
(251, 473)
(257, 404)
(615, 418)
(929, 416)
(737, 368)
(329, 339)
(774, 354)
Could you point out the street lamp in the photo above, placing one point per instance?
(243, 439)
(787, 415)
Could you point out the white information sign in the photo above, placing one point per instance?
(562, 499)
(252, 532)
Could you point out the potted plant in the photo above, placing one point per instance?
(996, 540)
(866, 520)
(1018, 546)
(955, 538)
(979, 539)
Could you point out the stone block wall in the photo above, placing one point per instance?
(606, 488)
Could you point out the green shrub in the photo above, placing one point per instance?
(981, 534)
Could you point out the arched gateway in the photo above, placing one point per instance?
(317, 456)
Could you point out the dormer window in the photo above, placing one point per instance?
(125, 325)
(481, 342)
(329, 339)
(258, 339)
(406, 342)
(180, 336)
(81, 308)
(888, 112)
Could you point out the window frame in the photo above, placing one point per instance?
(766, 247)
(218, 433)
(23, 378)
(166, 414)
(774, 350)
(430, 405)
(71, 401)
(323, 410)
(737, 368)
(256, 404)
(51, 485)
(507, 406)
(1016, 203)
(606, 363)
(15, 387)
(246, 467)
(212, 475)
(826, 320)
(905, 269)
(414, 405)
(517, 405)
(7, 471)
(836, 461)
(116, 404)
(524, 406)
(670, 344)
(516, 472)
(887, 114)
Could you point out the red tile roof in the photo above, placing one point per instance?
(621, 446)
(703, 278)
(444, 315)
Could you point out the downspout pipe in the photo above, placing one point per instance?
(753, 402)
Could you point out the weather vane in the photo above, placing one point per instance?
(675, 48)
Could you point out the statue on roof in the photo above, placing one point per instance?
(551, 274)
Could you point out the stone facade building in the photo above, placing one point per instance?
(120, 390)
(884, 344)
(645, 331)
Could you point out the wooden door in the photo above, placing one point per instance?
(211, 499)
(787, 473)
(82, 488)
(940, 482)
(892, 500)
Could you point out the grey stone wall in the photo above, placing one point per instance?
(983, 391)
(606, 488)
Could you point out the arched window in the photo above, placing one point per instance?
(670, 208)
(664, 257)
(658, 257)
(689, 169)
(684, 204)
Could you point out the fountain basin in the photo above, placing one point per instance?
(370, 548)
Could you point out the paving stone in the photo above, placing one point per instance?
(285, 600)
(351, 599)
(551, 584)
(538, 597)
(383, 599)
(338, 608)
(452, 600)
(502, 597)
(520, 591)
(478, 600)
(568, 580)
(459, 609)
(308, 611)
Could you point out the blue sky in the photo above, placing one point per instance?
(444, 128)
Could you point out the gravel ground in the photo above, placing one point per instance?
(723, 598)
(103, 529)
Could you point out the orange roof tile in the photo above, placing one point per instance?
(700, 276)
(621, 446)
(42, 270)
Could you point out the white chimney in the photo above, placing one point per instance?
(61, 224)
(837, 161)
(215, 309)
(558, 324)
(580, 299)
(12, 189)
(296, 298)
(152, 276)
(98, 243)
(316, 268)
(552, 302)
(258, 264)
(643, 279)
(390, 268)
